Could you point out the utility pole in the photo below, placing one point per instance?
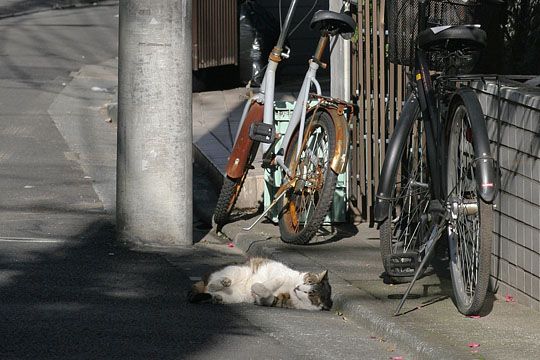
(154, 166)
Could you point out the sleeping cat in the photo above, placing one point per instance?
(265, 282)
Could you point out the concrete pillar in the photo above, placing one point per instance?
(154, 170)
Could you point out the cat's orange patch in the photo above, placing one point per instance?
(256, 262)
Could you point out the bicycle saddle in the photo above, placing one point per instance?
(333, 22)
(452, 38)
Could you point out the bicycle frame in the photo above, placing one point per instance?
(264, 102)
(265, 98)
(435, 142)
(266, 94)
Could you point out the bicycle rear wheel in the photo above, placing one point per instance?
(230, 191)
(470, 225)
(306, 205)
(403, 232)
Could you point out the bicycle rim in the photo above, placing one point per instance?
(469, 228)
(306, 205)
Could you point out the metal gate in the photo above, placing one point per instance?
(214, 33)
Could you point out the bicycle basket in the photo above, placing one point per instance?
(402, 23)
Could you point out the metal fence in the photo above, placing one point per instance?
(378, 88)
(214, 33)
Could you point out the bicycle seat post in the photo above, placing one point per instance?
(319, 51)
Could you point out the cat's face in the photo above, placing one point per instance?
(315, 292)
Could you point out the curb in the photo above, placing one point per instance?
(206, 188)
(349, 300)
(214, 174)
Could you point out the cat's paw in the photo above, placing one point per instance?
(259, 290)
(218, 285)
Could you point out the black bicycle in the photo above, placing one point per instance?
(438, 177)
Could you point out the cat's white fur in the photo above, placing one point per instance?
(269, 279)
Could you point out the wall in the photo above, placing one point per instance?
(516, 232)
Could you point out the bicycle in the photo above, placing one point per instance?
(313, 150)
(438, 178)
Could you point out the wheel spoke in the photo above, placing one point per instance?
(311, 177)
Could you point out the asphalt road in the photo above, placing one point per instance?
(67, 289)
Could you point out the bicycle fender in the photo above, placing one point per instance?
(487, 180)
(242, 146)
(340, 157)
(392, 159)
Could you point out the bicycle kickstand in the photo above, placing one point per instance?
(280, 193)
(430, 246)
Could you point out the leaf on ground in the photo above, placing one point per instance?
(473, 345)
(509, 298)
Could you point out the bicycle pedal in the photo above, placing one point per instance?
(262, 132)
(400, 265)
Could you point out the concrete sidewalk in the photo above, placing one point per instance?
(430, 326)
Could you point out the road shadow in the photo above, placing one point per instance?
(91, 297)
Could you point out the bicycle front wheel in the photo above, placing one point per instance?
(403, 232)
(470, 225)
(306, 205)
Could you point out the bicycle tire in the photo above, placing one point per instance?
(315, 183)
(230, 190)
(405, 228)
(470, 226)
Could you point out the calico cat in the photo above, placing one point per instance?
(265, 282)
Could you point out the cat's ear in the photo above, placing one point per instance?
(323, 276)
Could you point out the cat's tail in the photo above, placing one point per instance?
(197, 294)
